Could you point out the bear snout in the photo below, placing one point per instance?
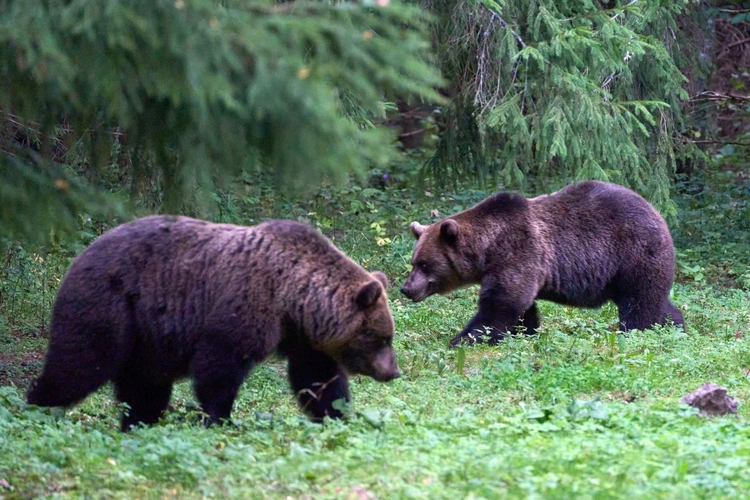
(414, 294)
(385, 367)
(387, 376)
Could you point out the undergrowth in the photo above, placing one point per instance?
(577, 410)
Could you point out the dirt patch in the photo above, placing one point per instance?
(19, 361)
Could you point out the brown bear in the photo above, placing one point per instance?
(581, 246)
(163, 298)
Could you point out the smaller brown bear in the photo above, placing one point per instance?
(163, 298)
(581, 246)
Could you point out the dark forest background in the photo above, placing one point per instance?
(110, 108)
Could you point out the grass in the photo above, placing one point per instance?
(575, 411)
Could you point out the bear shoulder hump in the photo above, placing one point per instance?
(502, 204)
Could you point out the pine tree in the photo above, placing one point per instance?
(560, 90)
(198, 88)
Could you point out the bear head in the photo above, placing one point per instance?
(367, 348)
(442, 261)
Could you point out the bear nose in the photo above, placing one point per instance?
(405, 290)
(389, 376)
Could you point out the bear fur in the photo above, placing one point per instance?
(581, 246)
(163, 298)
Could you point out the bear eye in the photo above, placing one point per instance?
(383, 342)
(422, 266)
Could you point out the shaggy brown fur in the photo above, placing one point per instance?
(162, 298)
(584, 245)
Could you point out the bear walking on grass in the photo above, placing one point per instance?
(581, 246)
(163, 298)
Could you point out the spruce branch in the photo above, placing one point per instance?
(204, 90)
(559, 89)
(504, 24)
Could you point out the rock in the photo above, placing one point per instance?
(711, 400)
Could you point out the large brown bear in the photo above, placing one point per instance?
(163, 297)
(581, 246)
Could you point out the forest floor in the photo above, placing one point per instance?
(577, 410)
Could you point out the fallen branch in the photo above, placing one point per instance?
(708, 141)
(710, 95)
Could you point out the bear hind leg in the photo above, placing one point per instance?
(216, 396)
(66, 379)
(217, 377)
(57, 388)
(529, 322)
(639, 313)
(146, 401)
(317, 381)
(82, 356)
(673, 314)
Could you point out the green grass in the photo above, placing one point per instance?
(577, 411)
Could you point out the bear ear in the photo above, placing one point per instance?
(417, 229)
(449, 230)
(368, 294)
(381, 277)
